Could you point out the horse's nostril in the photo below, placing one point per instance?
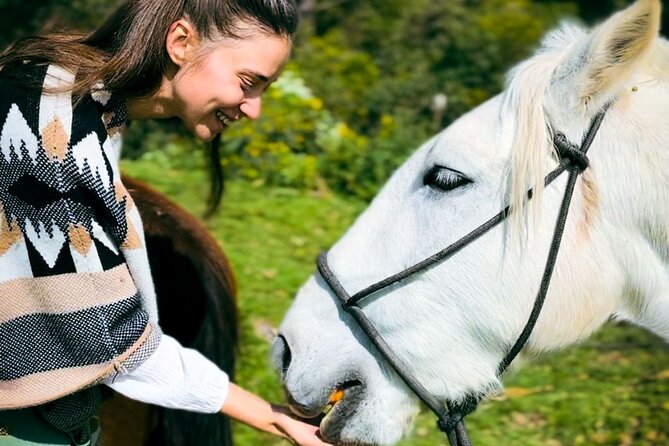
(285, 359)
(281, 354)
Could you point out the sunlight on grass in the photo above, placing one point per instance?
(612, 390)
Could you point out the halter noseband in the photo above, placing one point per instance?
(451, 416)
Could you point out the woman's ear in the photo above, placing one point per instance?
(181, 42)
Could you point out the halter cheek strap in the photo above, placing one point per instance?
(451, 415)
(576, 161)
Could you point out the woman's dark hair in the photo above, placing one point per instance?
(128, 54)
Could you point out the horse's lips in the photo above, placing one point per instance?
(343, 411)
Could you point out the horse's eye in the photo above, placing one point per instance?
(444, 179)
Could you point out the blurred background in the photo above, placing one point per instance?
(369, 80)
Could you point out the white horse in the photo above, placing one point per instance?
(453, 323)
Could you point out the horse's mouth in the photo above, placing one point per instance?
(341, 407)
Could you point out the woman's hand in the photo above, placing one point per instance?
(250, 409)
(296, 431)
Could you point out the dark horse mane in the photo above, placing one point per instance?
(196, 294)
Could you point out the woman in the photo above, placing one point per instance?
(78, 304)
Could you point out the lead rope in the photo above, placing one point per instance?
(451, 420)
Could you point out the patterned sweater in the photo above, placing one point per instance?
(76, 299)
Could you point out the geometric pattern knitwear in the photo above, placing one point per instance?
(77, 302)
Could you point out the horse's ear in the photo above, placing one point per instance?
(598, 67)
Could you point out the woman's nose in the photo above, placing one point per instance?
(250, 108)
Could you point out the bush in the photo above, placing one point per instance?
(299, 143)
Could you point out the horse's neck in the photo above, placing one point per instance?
(630, 168)
(633, 156)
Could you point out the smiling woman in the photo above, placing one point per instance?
(213, 85)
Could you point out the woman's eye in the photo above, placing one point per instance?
(247, 84)
(444, 179)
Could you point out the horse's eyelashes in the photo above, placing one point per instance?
(444, 179)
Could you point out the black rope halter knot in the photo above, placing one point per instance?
(452, 420)
(448, 422)
(566, 150)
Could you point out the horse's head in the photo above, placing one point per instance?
(453, 323)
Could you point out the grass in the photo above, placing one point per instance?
(611, 390)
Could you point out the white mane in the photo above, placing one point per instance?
(532, 145)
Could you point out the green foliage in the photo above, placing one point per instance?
(421, 48)
(279, 148)
(298, 143)
(147, 136)
(340, 75)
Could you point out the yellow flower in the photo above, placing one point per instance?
(387, 120)
(345, 131)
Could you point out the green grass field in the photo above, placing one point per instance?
(611, 390)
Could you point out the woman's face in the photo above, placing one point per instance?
(225, 82)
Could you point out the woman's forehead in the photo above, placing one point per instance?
(261, 54)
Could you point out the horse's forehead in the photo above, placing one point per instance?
(477, 132)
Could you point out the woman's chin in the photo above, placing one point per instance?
(205, 135)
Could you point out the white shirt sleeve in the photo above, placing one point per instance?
(175, 377)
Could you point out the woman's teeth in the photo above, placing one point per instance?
(223, 118)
